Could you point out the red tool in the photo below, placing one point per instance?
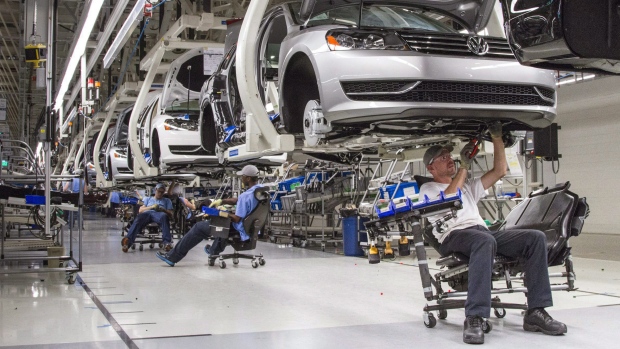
(476, 142)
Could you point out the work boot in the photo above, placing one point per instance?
(472, 330)
(168, 247)
(125, 244)
(164, 257)
(538, 320)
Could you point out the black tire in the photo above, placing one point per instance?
(209, 136)
(487, 327)
(499, 312)
(431, 321)
(129, 157)
(110, 175)
(442, 314)
(300, 86)
(155, 150)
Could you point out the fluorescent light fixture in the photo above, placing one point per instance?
(123, 35)
(79, 49)
(71, 116)
(576, 79)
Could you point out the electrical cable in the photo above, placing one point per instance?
(133, 52)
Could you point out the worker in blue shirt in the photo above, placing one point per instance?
(156, 209)
(246, 202)
(115, 201)
(73, 186)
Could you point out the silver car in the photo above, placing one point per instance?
(353, 76)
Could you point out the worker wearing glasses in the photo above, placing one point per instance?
(467, 234)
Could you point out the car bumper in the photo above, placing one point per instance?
(360, 67)
(180, 147)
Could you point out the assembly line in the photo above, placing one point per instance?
(309, 174)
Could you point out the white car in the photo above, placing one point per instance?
(168, 127)
(400, 72)
(116, 166)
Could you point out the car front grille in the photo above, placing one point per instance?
(455, 45)
(448, 92)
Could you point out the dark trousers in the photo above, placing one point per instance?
(481, 245)
(144, 218)
(112, 209)
(200, 231)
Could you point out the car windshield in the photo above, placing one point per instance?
(386, 17)
(181, 108)
(194, 105)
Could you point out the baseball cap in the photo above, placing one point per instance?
(160, 185)
(248, 170)
(435, 151)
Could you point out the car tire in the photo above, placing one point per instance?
(129, 157)
(209, 133)
(156, 150)
(109, 170)
(300, 87)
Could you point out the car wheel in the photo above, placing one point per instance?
(299, 88)
(209, 133)
(109, 170)
(314, 123)
(129, 157)
(156, 152)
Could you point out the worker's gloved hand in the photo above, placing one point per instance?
(216, 203)
(155, 207)
(495, 129)
(465, 155)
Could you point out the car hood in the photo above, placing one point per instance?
(186, 74)
(474, 14)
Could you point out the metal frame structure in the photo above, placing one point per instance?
(116, 103)
(262, 138)
(151, 63)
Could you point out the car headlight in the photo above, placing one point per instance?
(119, 153)
(339, 40)
(181, 124)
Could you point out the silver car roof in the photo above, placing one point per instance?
(474, 14)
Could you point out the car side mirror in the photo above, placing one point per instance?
(307, 6)
(580, 35)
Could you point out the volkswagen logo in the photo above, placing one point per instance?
(477, 45)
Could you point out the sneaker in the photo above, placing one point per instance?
(207, 248)
(168, 247)
(538, 320)
(125, 243)
(164, 257)
(472, 330)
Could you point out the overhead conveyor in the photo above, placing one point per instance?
(119, 101)
(151, 63)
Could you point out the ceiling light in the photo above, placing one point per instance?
(78, 49)
(123, 35)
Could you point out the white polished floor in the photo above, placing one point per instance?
(300, 299)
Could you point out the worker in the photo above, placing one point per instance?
(468, 234)
(115, 201)
(73, 186)
(246, 203)
(154, 209)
